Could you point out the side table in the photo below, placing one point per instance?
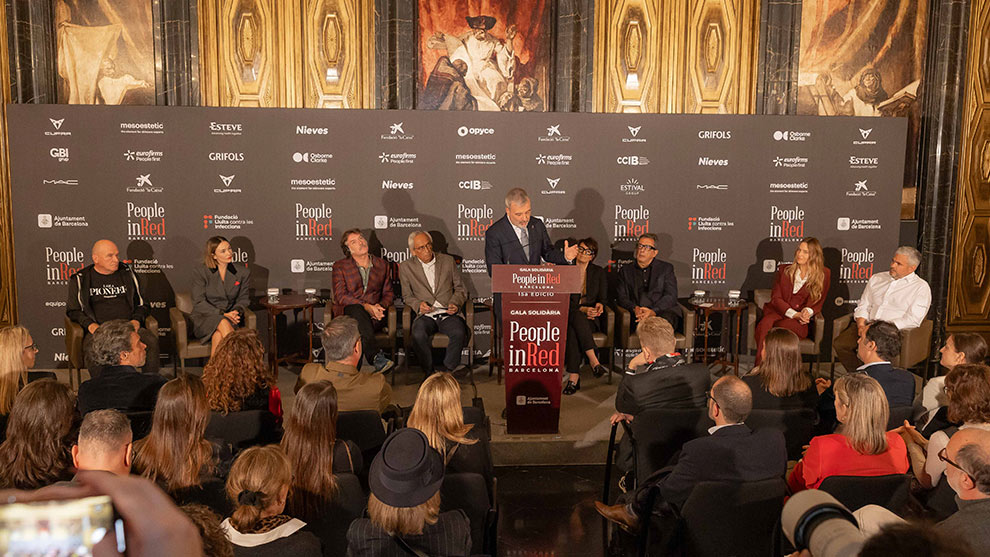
(285, 303)
(711, 305)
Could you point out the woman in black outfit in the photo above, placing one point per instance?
(586, 317)
(219, 293)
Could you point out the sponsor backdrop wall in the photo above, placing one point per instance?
(729, 196)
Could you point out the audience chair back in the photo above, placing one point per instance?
(240, 430)
(658, 434)
(892, 492)
(797, 425)
(469, 493)
(477, 417)
(897, 416)
(211, 493)
(915, 345)
(364, 428)
(941, 501)
(332, 521)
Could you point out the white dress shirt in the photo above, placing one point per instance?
(430, 270)
(904, 302)
(799, 281)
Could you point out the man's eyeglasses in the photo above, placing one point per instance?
(708, 395)
(943, 455)
(646, 247)
(587, 251)
(32, 347)
(424, 246)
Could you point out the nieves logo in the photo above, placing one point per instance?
(393, 185)
(708, 161)
(306, 130)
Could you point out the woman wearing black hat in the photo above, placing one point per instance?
(404, 506)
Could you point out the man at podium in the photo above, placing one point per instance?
(518, 238)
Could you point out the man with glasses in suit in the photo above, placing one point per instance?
(648, 287)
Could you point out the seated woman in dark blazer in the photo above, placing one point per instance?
(586, 316)
(780, 383)
(219, 293)
(798, 294)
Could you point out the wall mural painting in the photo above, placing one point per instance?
(484, 55)
(865, 58)
(105, 51)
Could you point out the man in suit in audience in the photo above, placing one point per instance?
(104, 443)
(731, 452)
(879, 344)
(342, 348)
(432, 287)
(647, 287)
(118, 350)
(968, 473)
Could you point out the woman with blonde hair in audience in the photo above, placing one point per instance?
(36, 452)
(258, 487)
(960, 348)
(780, 382)
(17, 353)
(861, 446)
(237, 376)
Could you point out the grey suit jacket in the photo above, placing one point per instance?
(415, 288)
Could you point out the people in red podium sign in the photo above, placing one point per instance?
(585, 317)
(648, 288)
(219, 293)
(798, 294)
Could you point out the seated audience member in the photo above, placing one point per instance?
(176, 455)
(968, 472)
(404, 507)
(119, 351)
(258, 487)
(104, 443)
(439, 415)
(732, 452)
(317, 456)
(219, 293)
(862, 446)
(36, 451)
(237, 376)
(648, 288)
(968, 390)
(362, 289)
(915, 539)
(432, 287)
(658, 377)
(586, 317)
(798, 294)
(960, 348)
(109, 290)
(17, 354)
(214, 538)
(900, 297)
(342, 349)
(780, 382)
(881, 343)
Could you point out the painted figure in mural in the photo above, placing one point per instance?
(490, 61)
(446, 88)
(526, 98)
(113, 86)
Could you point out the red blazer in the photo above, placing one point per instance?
(783, 297)
(831, 455)
(349, 289)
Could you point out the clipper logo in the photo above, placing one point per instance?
(306, 130)
(786, 224)
(227, 182)
(857, 266)
(227, 157)
(143, 184)
(397, 158)
(224, 128)
(553, 134)
(632, 187)
(708, 267)
(465, 131)
(395, 256)
(57, 125)
(553, 183)
(710, 224)
(226, 222)
(62, 264)
(715, 134)
(396, 132)
(846, 223)
(472, 222)
(143, 156)
(790, 162)
(860, 189)
(708, 161)
(153, 128)
(554, 160)
(633, 135)
(476, 185)
(630, 224)
(633, 160)
(60, 154)
(393, 185)
(61, 182)
(314, 223)
(791, 136)
(315, 158)
(864, 162)
(865, 137)
(145, 222)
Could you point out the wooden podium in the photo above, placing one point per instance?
(535, 300)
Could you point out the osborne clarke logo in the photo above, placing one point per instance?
(60, 154)
(473, 221)
(226, 157)
(784, 135)
(150, 155)
(632, 160)
(62, 264)
(228, 185)
(630, 223)
(225, 221)
(397, 158)
(708, 161)
(857, 266)
(863, 162)
(553, 134)
(314, 222)
(715, 134)
(143, 184)
(226, 128)
(306, 130)
(708, 267)
(786, 223)
(476, 185)
(313, 158)
(864, 137)
(57, 127)
(554, 160)
(145, 222)
(710, 224)
(632, 187)
(860, 189)
(634, 135)
(148, 128)
(465, 131)
(396, 131)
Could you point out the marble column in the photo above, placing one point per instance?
(941, 139)
(396, 53)
(573, 55)
(31, 45)
(176, 33)
(780, 42)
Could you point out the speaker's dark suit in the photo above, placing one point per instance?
(502, 246)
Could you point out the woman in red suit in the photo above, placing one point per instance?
(798, 293)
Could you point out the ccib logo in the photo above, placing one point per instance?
(633, 160)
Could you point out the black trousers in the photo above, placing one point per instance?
(580, 338)
(152, 362)
(423, 329)
(366, 327)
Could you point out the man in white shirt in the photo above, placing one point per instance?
(432, 287)
(900, 297)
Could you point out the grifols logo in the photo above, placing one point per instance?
(145, 222)
(62, 264)
(786, 224)
(472, 222)
(314, 223)
(630, 224)
(708, 267)
(857, 266)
